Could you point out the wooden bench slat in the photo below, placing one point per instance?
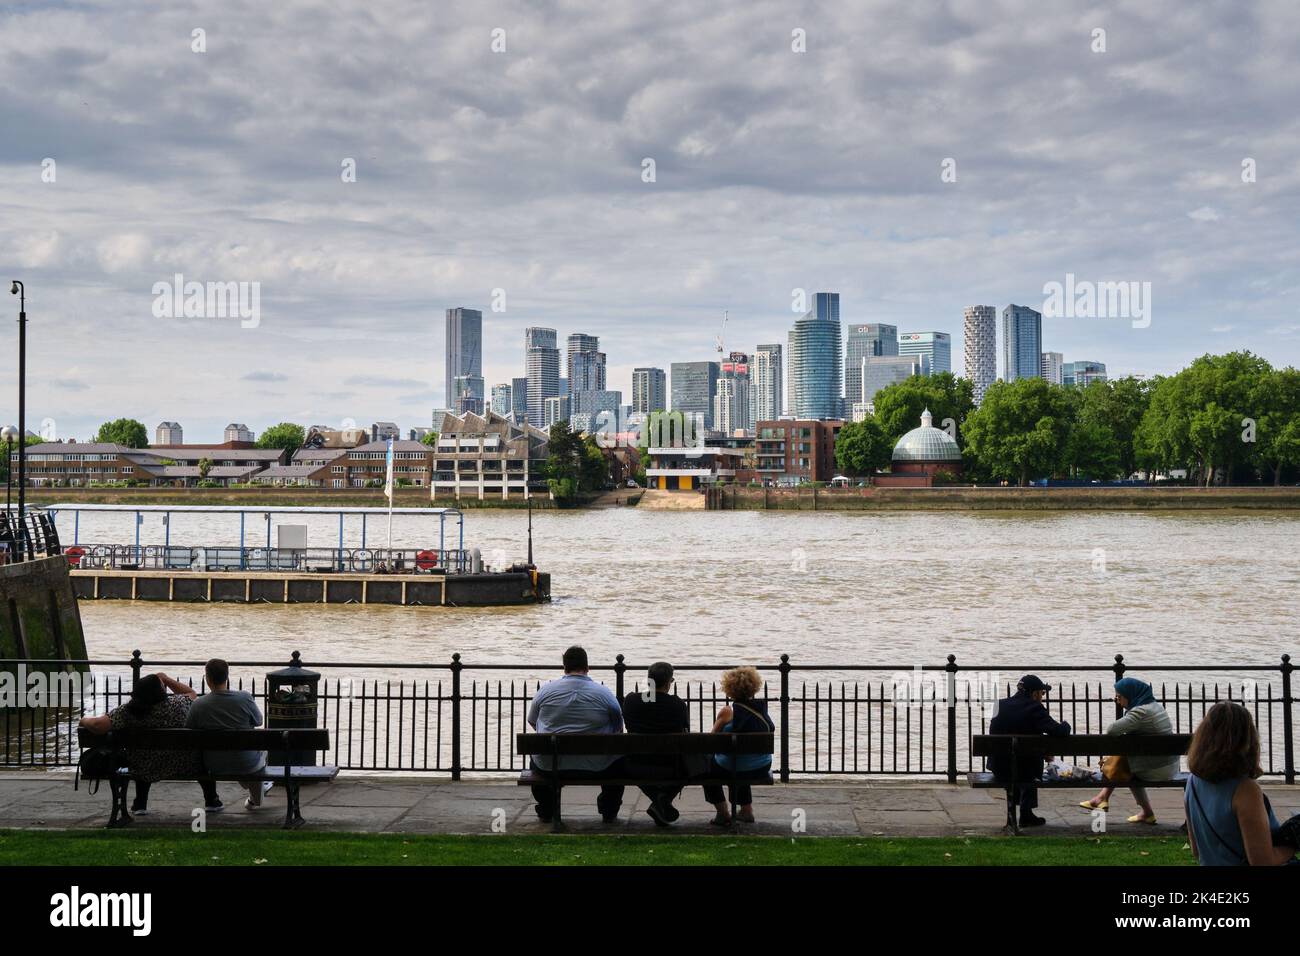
(531, 778)
(604, 745)
(269, 772)
(1111, 745)
(179, 738)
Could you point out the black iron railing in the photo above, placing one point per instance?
(851, 719)
(33, 537)
(161, 557)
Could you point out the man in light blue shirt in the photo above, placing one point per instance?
(576, 704)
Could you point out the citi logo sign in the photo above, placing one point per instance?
(76, 909)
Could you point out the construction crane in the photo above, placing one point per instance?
(722, 332)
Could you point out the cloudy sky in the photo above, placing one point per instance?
(522, 170)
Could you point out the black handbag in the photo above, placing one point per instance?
(97, 764)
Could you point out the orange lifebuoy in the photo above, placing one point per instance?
(426, 560)
(74, 554)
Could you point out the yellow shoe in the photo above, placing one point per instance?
(1089, 805)
(1142, 818)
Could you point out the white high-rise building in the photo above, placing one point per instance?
(731, 408)
(980, 344)
(169, 433)
(649, 391)
(769, 400)
(503, 399)
(1053, 367)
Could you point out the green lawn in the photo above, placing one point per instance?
(276, 848)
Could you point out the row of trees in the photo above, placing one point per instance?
(1226, 417)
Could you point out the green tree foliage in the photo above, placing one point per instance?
(430, 439)
(1198, 418)
(575, 464)
(1020, 429)
(863, 447)
(1278, 434)
(4, 465)
(285, 435)
(123, 431)
(899, 406)
(205, 467)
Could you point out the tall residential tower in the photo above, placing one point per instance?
(980, 344)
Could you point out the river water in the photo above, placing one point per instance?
(827, 588)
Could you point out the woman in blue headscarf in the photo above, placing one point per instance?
(1143, 714)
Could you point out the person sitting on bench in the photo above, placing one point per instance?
(748, 716)
(224, 709)
(1143, 714)
(1023, 713)
(656, 711)
(152, 707)
(576, 704)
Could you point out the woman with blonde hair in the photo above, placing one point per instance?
(745, 715)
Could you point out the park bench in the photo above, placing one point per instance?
(638, 745)
(285, 741)
(1033, 746)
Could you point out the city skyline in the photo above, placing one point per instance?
(463, 189)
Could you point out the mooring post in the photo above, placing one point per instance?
(456, 667)
(952, 717)
(1288, 733)
(785, 717)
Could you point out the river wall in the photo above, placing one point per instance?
(39, 617)
(1004, 499)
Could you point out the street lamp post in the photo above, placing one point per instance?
(20, 290)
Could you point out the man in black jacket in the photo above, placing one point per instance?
(656, 711)
(1023, 713)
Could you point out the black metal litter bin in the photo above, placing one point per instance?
(291, 703)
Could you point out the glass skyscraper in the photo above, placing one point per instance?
(865, 341)
(816, 376)
(694, 384)
(1082, 373)
(542, 362)
(464, 358)
(1022, 343)
(519, 398)
(936, 346)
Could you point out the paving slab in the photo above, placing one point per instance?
(411, 803)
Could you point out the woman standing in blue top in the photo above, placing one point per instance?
(1229, 820)
(746, 715)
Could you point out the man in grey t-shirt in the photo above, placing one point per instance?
(224, 709)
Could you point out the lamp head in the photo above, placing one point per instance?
(9, 433)
(13, 289)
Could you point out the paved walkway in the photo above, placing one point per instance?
(412, 804)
